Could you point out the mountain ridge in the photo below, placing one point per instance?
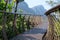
(37, 10)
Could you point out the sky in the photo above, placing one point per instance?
(32, 3)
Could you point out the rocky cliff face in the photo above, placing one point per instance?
(39, 10)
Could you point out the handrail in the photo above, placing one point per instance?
(52, 10)
(20, 13)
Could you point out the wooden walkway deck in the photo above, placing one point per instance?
(33, 34)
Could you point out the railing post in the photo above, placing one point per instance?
(28, 23)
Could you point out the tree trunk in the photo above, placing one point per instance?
(14, 21)
(23, 24)
(14, 24)
(3, 27)
(4, 23)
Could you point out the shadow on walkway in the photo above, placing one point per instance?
(25, 38)
(36, 31)
(33, 34)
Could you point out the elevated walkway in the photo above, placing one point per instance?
(35, 33)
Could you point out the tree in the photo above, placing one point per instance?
(4, 20)
(8, 22)
(53, 3)
(15, 16)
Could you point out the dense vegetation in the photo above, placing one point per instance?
(13, 24)
(57, 22)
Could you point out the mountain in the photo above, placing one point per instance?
(39, 10)
(23, 5)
